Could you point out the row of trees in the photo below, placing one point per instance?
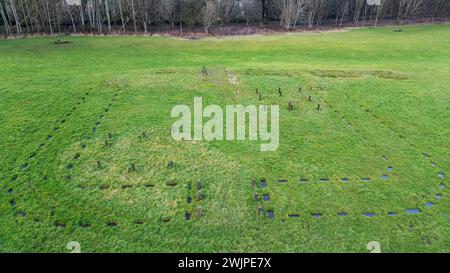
(18, 17)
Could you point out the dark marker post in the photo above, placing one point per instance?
(199, 196)
(260, 210)
(170, 165)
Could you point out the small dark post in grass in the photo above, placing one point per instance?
(300, 89)
(260, 210)
(133, 167)
(260, 97)
(22, 213)
(170, 164)
(256, 196)
(199, 185)
(318, 107)
(257, 91)
(199, 196)
(99, 164)
(279, 91)
(110, 135)
(290, 107)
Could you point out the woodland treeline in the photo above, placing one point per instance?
(23, 17)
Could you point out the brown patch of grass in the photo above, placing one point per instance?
(355, 74)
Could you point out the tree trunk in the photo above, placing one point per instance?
(134, 15)
(343, 14)
(48, 17)
(5, 21)
(16, 17)
(108, 17)
(24, 16)
(71, 17)
(365, 15)
(98, 18)
(83, 23)
(121, 15)
(27, 9)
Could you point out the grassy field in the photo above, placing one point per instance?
(76, 117)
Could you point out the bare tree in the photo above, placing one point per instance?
(358, 5)
(224, 9)
(48, 16)
(68, 10)
(315, 11)
(5, 20)
(290, 12)
(24, 16)
(108, 17)
(209, 14)
(407, 8)
(341, 11)
(121, 15)
(250, 10)
(439, 8)
(380, 10)
(16, 17)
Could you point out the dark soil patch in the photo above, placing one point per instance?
(356, 74)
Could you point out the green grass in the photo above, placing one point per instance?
(384, 99)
